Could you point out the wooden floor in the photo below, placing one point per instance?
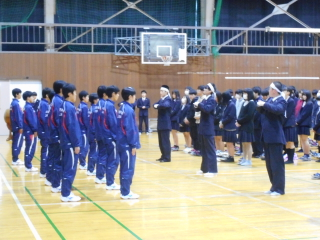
(174, 203)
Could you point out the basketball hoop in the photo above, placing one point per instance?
(166, 60)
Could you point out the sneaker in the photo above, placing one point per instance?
(285, 157)
(288, 162)
(83, 167)
(300, 150)
(131, 195)
(256, 156)
(275, 194)
(186, 150)
(267, 192)
(313, 154)
(139, 133)
(305, 158)
(228, 159)
(241, 160)
(316, 176)
(175, 148)
(238, 153)
(18, 162)
(91, 173)
(295, 156)
(70, 198)
(198, 154)
(56, 190)
(246, 163)
(223, 154)
(199, 172)
(33, 169)
(114, 186)
(47, 183)
(209, 175)
(100, 181)
(42, 175)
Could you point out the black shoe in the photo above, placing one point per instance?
(159, 159)
(256, 156)
(300, 150)
(164, 160)
(288, 162)
(228, 159)
(318, 161)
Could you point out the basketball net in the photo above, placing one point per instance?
(166, 60)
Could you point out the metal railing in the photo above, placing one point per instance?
(107, 38)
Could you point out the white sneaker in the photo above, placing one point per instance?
(71, 198)
(114, 186)
(42, 175)
(56, 190)
(47, 183)
(139, 133)
(83, 167)
(131, 195)
(186, 150)
(209, 175)
(246, 163)
(91, 173)
(18, 162)
(100, 181)
(241, 160)
(267, 192)
(199, 172)
(275, 194)
(33, 169)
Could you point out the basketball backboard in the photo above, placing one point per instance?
(163, 48)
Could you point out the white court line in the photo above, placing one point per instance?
(238, 193)
(23, 212)
(213, 209)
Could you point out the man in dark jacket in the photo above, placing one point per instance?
(164, 123)
(273, 137)
(143, 104)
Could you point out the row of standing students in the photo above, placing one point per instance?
(67, 134)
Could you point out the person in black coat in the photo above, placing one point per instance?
(257, 145)
(191, 121)
(272, 113)
(316, 128)
(304, 122)
(206, 132)
(289, 125)
(175, 110)
(164, 123)
(245, 124)
(228, 123)
(184, 128)
(217, 118)
(143, 104)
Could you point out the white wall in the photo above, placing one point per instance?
(6, 87)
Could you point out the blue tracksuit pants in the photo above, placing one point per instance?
(69, 169)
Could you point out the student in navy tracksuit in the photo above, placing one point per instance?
(246, 126)
(127, 142)
(93, 146)
(54, 159)
(289, 125)
(228, 123)
(315, 106)
(183, 127)
(97, 121)
(304, 122)
(143, 104)
(206, 132)
(217, 118)
(16, 119)
(30, 131)
(175, 109)
(316, 128)
(192, 121)
(164, 123)
(70, 140)
(109, 134)
(272, 113)
(257, 145)
(43, 128)
(35, 102)
(83, 117)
